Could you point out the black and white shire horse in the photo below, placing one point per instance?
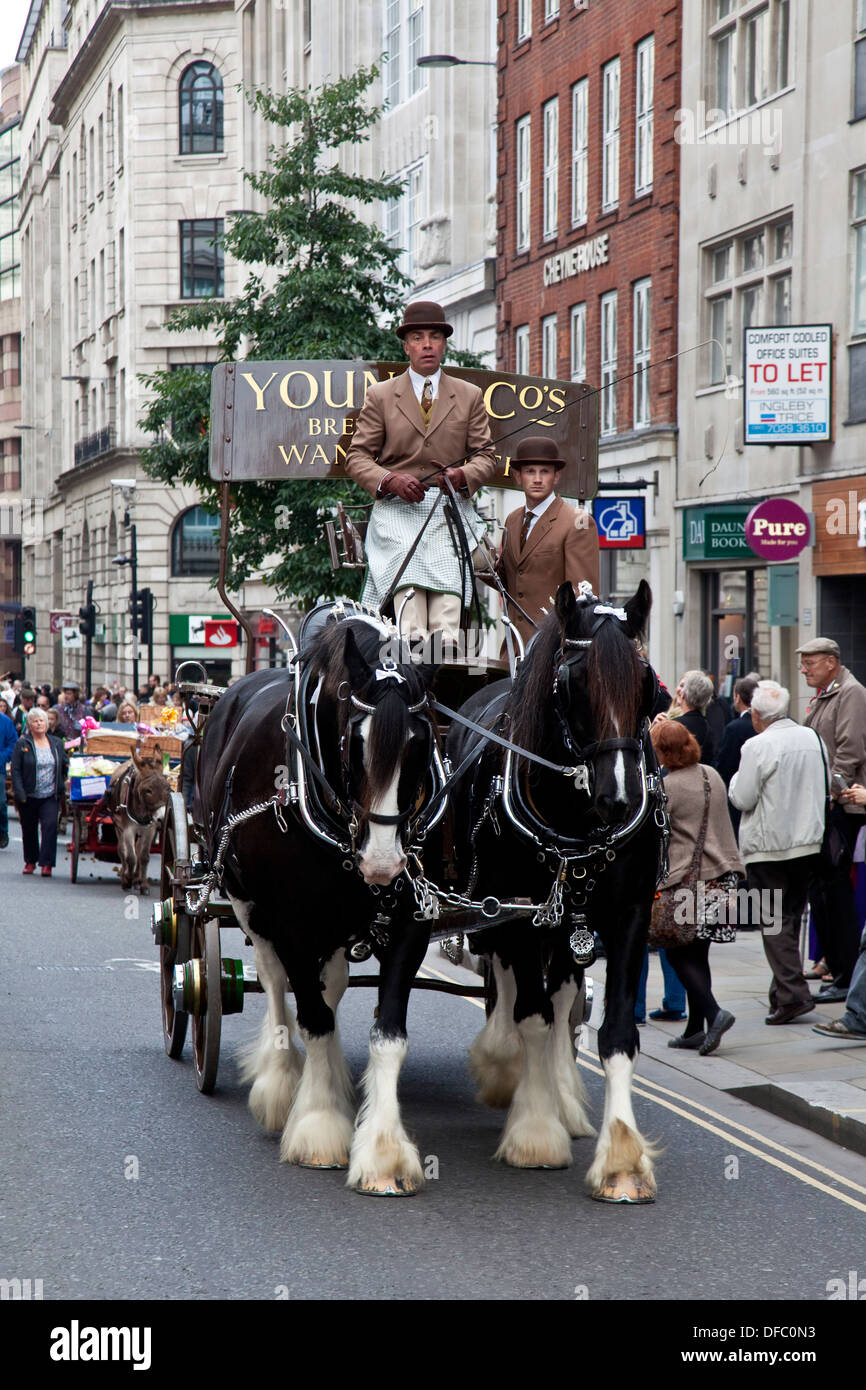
(584, 841)
(321, 868)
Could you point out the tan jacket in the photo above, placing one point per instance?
(390, 435)
(685, 792)
(556, 549)
(839, 716)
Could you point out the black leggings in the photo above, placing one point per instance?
(692, 966)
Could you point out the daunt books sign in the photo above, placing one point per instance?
(716, 533)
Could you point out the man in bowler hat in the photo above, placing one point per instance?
(413, 432)
(547, 540)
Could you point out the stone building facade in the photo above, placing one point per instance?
(772, 136)
(130, 130)
(126, 189)
(587, 248)
(14, 515)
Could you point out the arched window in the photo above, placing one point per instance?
(195, 544)
(201, 109)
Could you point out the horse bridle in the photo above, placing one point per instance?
(335, 818)
(123, 804)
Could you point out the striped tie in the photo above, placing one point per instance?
(524, 530)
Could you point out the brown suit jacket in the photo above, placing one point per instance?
(555, 550)
(390, 436)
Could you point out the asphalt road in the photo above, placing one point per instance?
(119, 1181)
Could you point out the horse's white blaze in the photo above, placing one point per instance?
(381, 858)
(567, 1079)
(619, 774)
(496, 1057)
(273, 1063)
(609, 1160)
(318, 1131)
(383, 1157)
(534, 1135)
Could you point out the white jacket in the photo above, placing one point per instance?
(780, 790)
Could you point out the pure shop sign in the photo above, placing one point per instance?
(276, 420)
(778, 529)
(716, 533)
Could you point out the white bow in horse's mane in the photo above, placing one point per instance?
(614, 612)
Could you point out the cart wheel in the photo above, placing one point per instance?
(75, 848)
(207, 1025)
(175, 852)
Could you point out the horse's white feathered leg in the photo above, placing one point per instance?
(384, 1161)
(273, 1063)
(534, 1135)
(567, 1078)
(496, 1057)
(622, 1168)
(318, 1131)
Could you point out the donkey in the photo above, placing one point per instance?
(136, 799)
(585, 835)
(324, 876)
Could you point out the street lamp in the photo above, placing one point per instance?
(448, 60)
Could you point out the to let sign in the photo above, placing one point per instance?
(275, 420)
(788, 384)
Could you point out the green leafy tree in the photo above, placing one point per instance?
(321, 283)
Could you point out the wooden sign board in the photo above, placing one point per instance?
(276, 420)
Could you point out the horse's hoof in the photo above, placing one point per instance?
(322, 1165)
(629, 1189)
(387, 1187)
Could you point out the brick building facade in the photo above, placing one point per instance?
(587, 249)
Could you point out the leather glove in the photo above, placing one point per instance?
(456, 477)
(405, 486)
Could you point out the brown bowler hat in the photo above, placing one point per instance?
(535, 448)
(424, 314)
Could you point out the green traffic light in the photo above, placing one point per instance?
(29, 635)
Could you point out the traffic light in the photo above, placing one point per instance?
(24, 634)
(141, 608)
(87, 614)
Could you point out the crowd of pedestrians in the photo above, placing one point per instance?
(796, 804)
(38, 727)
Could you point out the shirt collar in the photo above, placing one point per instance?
(541, 507)
(418, 380)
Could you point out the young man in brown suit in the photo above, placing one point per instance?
(546, 541)
(410, 426)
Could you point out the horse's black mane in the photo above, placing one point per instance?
(328, 657)
(613, 678)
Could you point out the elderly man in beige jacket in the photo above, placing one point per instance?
(779, 788)
(837, 711)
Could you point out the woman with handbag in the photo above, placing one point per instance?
(693, 906)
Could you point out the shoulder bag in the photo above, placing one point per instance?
(673, 921)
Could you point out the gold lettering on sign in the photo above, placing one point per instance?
(293, 456)
(349, 402)
(259, 390)
(299, 405)
(488, 400)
